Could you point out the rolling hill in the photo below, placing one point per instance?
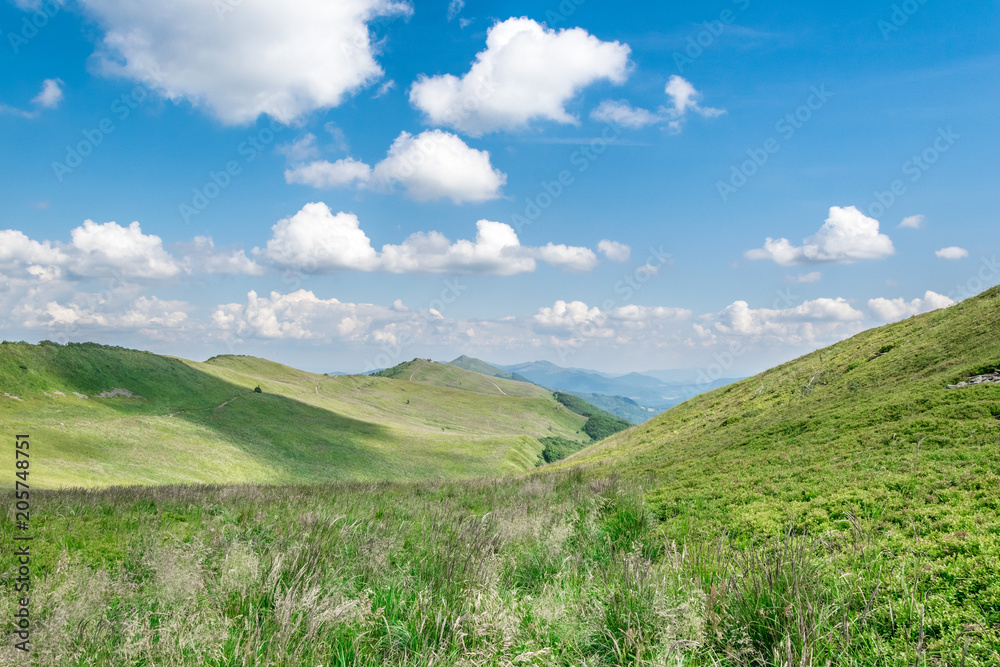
(190, 422)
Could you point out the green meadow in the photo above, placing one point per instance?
(840, 509)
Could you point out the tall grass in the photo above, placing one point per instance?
(549, 570)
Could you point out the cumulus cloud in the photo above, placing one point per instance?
(891, 310)
(952, 252)
(148, 315)
(240, 60)
(810, 322)
(576, 320)
(112, 250)
(51, 94)
(619, 112)
(300, 315)
(323, 174)
(616, 252)
(847, 236)
(431, 165)
(315, 239)
(505, 88)
(685, 98)
(435, 165)
(913, 222)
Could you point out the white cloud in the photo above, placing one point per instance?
(812, 277)
(202, 258)
(526, 72)
(847, 236)
(240, 60)
(455, 7)
(300, 315)
(301, 149)
(435, 165)
(151, 316)
(431, 165)
(314, 239)
(615, 251)
(323, 174)
(109, 248)
(621, 113)
(48, 98)
(572, 315)
(913, 222)
(952, 252)
(891, 310)
(684, 98)
(810, 322)
(51, 94)
(634, 313)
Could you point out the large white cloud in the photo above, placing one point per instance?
(300, 315)
(625, 324)
(891, 310)
(812, 321)
(110, 250)
(431, 165)
(314, 239)
(243, 59)
(317, 240)
(847, 236)
(436, 164)
(526, 72)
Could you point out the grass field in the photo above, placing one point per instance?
(202, 422)
(841, 509)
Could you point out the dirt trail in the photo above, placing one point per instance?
(497, 386)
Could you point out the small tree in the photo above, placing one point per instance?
(257, 390)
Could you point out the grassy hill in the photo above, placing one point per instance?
(202, 422)
(862, 441)
(480, 366)
(447, 375)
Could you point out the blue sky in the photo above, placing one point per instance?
(339, 186)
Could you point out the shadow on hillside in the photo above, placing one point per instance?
(291, 437)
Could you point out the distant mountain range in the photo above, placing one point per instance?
(636, 397)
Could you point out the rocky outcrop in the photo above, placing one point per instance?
(993, 377)
(118, 391)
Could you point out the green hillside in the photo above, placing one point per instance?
(480, 366)
(447, 375)
(862, 441)
(202, 422)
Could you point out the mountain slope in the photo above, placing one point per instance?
(480, 366)
(864, 426)
(202, 422)
(446, 375)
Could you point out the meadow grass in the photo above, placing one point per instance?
(554, 569)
